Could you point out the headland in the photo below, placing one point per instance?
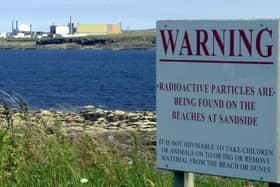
(144, 40)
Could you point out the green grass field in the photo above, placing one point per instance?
(36, 159)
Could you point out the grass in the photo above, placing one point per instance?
(126, 37)
(148, 36)
(30, 157)
(212, 181)
(40, 160)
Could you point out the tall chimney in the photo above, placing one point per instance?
(13, 27)
(16, 27)
(31, 35)
(70, 26)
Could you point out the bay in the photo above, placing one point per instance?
(71, 79)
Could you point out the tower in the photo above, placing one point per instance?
(16, 31)
(70, 26)
(31, 34)
(13, 27)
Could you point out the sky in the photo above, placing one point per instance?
(132, 14)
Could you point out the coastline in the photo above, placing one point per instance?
(4, 45)
(144, 40)
(103, 126)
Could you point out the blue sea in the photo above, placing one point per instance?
(70, 79)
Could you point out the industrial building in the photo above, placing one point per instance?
(59, 30)
(3, 35)
(62, 30)
(96, 29)
(21, 30)
(84, 29)
(25, 30)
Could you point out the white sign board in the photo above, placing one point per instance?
(218, 97)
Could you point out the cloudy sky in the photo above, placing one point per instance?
(133, 14)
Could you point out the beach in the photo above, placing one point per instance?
(103, 126)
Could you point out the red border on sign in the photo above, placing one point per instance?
(218, 61)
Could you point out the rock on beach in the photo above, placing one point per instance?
(109, 127)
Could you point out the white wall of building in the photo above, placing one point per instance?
(23, 28)
(3, 35)
(21, 35)
(63, 30)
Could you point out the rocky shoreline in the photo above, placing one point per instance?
(108, 127)
(143, 41)
(74, 46)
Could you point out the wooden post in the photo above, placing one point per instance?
(273, 185)
(183, 179)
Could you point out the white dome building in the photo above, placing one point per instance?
(23, 28)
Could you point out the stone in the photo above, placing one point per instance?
(45, 113)
(117, 126)
(89, 107)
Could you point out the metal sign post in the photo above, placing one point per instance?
(183, 179)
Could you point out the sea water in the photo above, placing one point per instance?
(71, 79)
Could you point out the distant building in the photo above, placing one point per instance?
(83, 29)
(3, 35)
(96, 29)
(21, 35)
(62, 30)
(21, 31)
(40, 35)
(24, 28)
(59, 30)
